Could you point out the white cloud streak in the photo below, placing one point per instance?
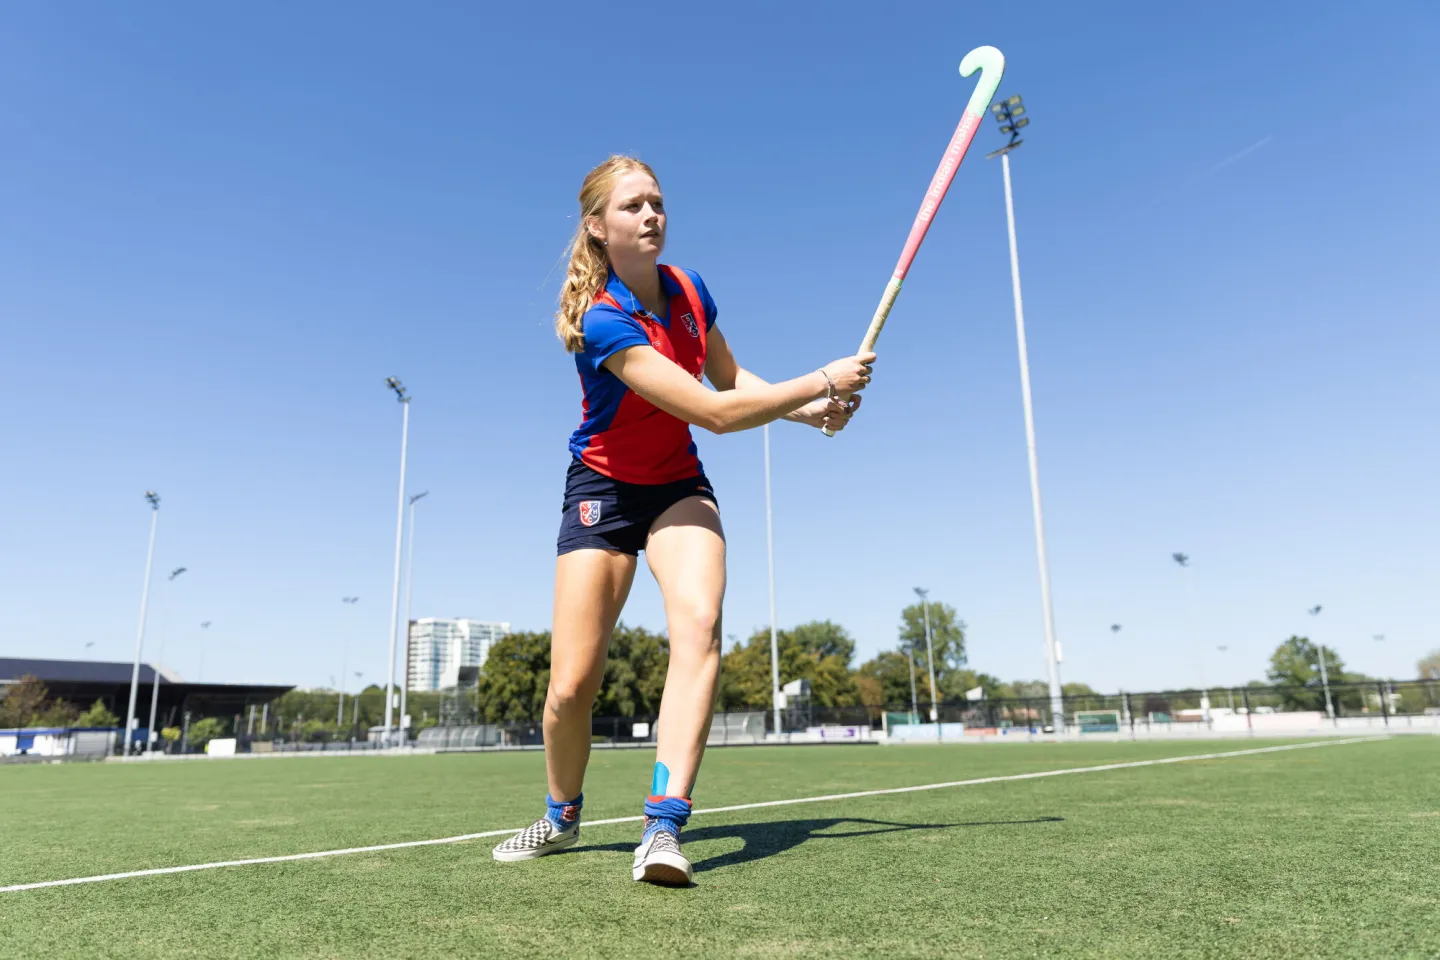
(1233, 158)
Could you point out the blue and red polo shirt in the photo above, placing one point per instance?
(621, 434)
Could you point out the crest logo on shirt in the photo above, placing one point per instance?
(589, 512)
(690, 324)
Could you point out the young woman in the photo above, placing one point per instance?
(643, 335)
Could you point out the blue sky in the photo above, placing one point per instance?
(220, 230)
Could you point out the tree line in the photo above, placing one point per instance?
(514, 679)
(516, 674)
(27, 703)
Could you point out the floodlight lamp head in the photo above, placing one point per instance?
(394, 384)
(998, 108)
(176, 572)
(205, 625)
(153, 499)
(1315, 610)
(419, 496)
(1181, 558)
(1013, 101)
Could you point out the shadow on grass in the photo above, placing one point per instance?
(766, 839)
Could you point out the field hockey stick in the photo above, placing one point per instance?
(991, 63)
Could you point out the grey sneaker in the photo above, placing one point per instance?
(658, 860)
(537, 840)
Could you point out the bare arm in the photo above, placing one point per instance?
(662, 382)
(745, 380)
(725, 373)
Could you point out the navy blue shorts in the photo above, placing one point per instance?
(603, 513)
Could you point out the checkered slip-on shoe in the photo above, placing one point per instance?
(658, 860)
(537, 840)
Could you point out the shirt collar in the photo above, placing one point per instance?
(631, 303)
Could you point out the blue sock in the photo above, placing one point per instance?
(564, 814)
(665, 813)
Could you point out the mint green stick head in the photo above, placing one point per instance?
(991, 63)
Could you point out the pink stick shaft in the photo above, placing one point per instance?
(959, 143)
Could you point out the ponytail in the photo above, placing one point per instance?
(589, 266)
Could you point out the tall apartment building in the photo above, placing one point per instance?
(437, 649)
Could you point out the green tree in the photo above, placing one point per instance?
(1031, 689)
(819, 651)
(56, 713)
(947, 637)
(203, 731)
(310, 714)
(888, 673)
(1295, 664)
(98, 715)
(963, 681)
(1429, 666)
(635, 668)
(745, 674)
(22, 701)
(515, 677)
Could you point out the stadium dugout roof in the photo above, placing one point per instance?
(82, 682)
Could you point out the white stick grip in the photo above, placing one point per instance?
(877, 323)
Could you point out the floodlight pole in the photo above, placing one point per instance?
(770, 557)
(153, 499)
(344, 664)
(924, 596)
(1324, 673)
(394, 384)
(1007, 111)
(409, 591)
(914, 701)
(355, 706)
(151, 735)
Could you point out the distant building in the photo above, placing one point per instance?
(437, 649)
(82, 682)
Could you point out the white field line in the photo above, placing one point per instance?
(161, 871)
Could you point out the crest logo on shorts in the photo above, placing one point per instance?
(690, 324)
(589, 512)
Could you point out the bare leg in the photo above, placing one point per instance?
(590, 589)
(686, 553)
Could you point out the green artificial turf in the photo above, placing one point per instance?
(1325, 852)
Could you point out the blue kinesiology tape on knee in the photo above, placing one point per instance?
(659, 780)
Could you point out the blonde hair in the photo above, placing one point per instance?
(589, 265)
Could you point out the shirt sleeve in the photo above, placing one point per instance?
(607, 331)
(708, 302)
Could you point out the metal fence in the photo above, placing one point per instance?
(1256, 709)
(1408, 703)
(1259, 709)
